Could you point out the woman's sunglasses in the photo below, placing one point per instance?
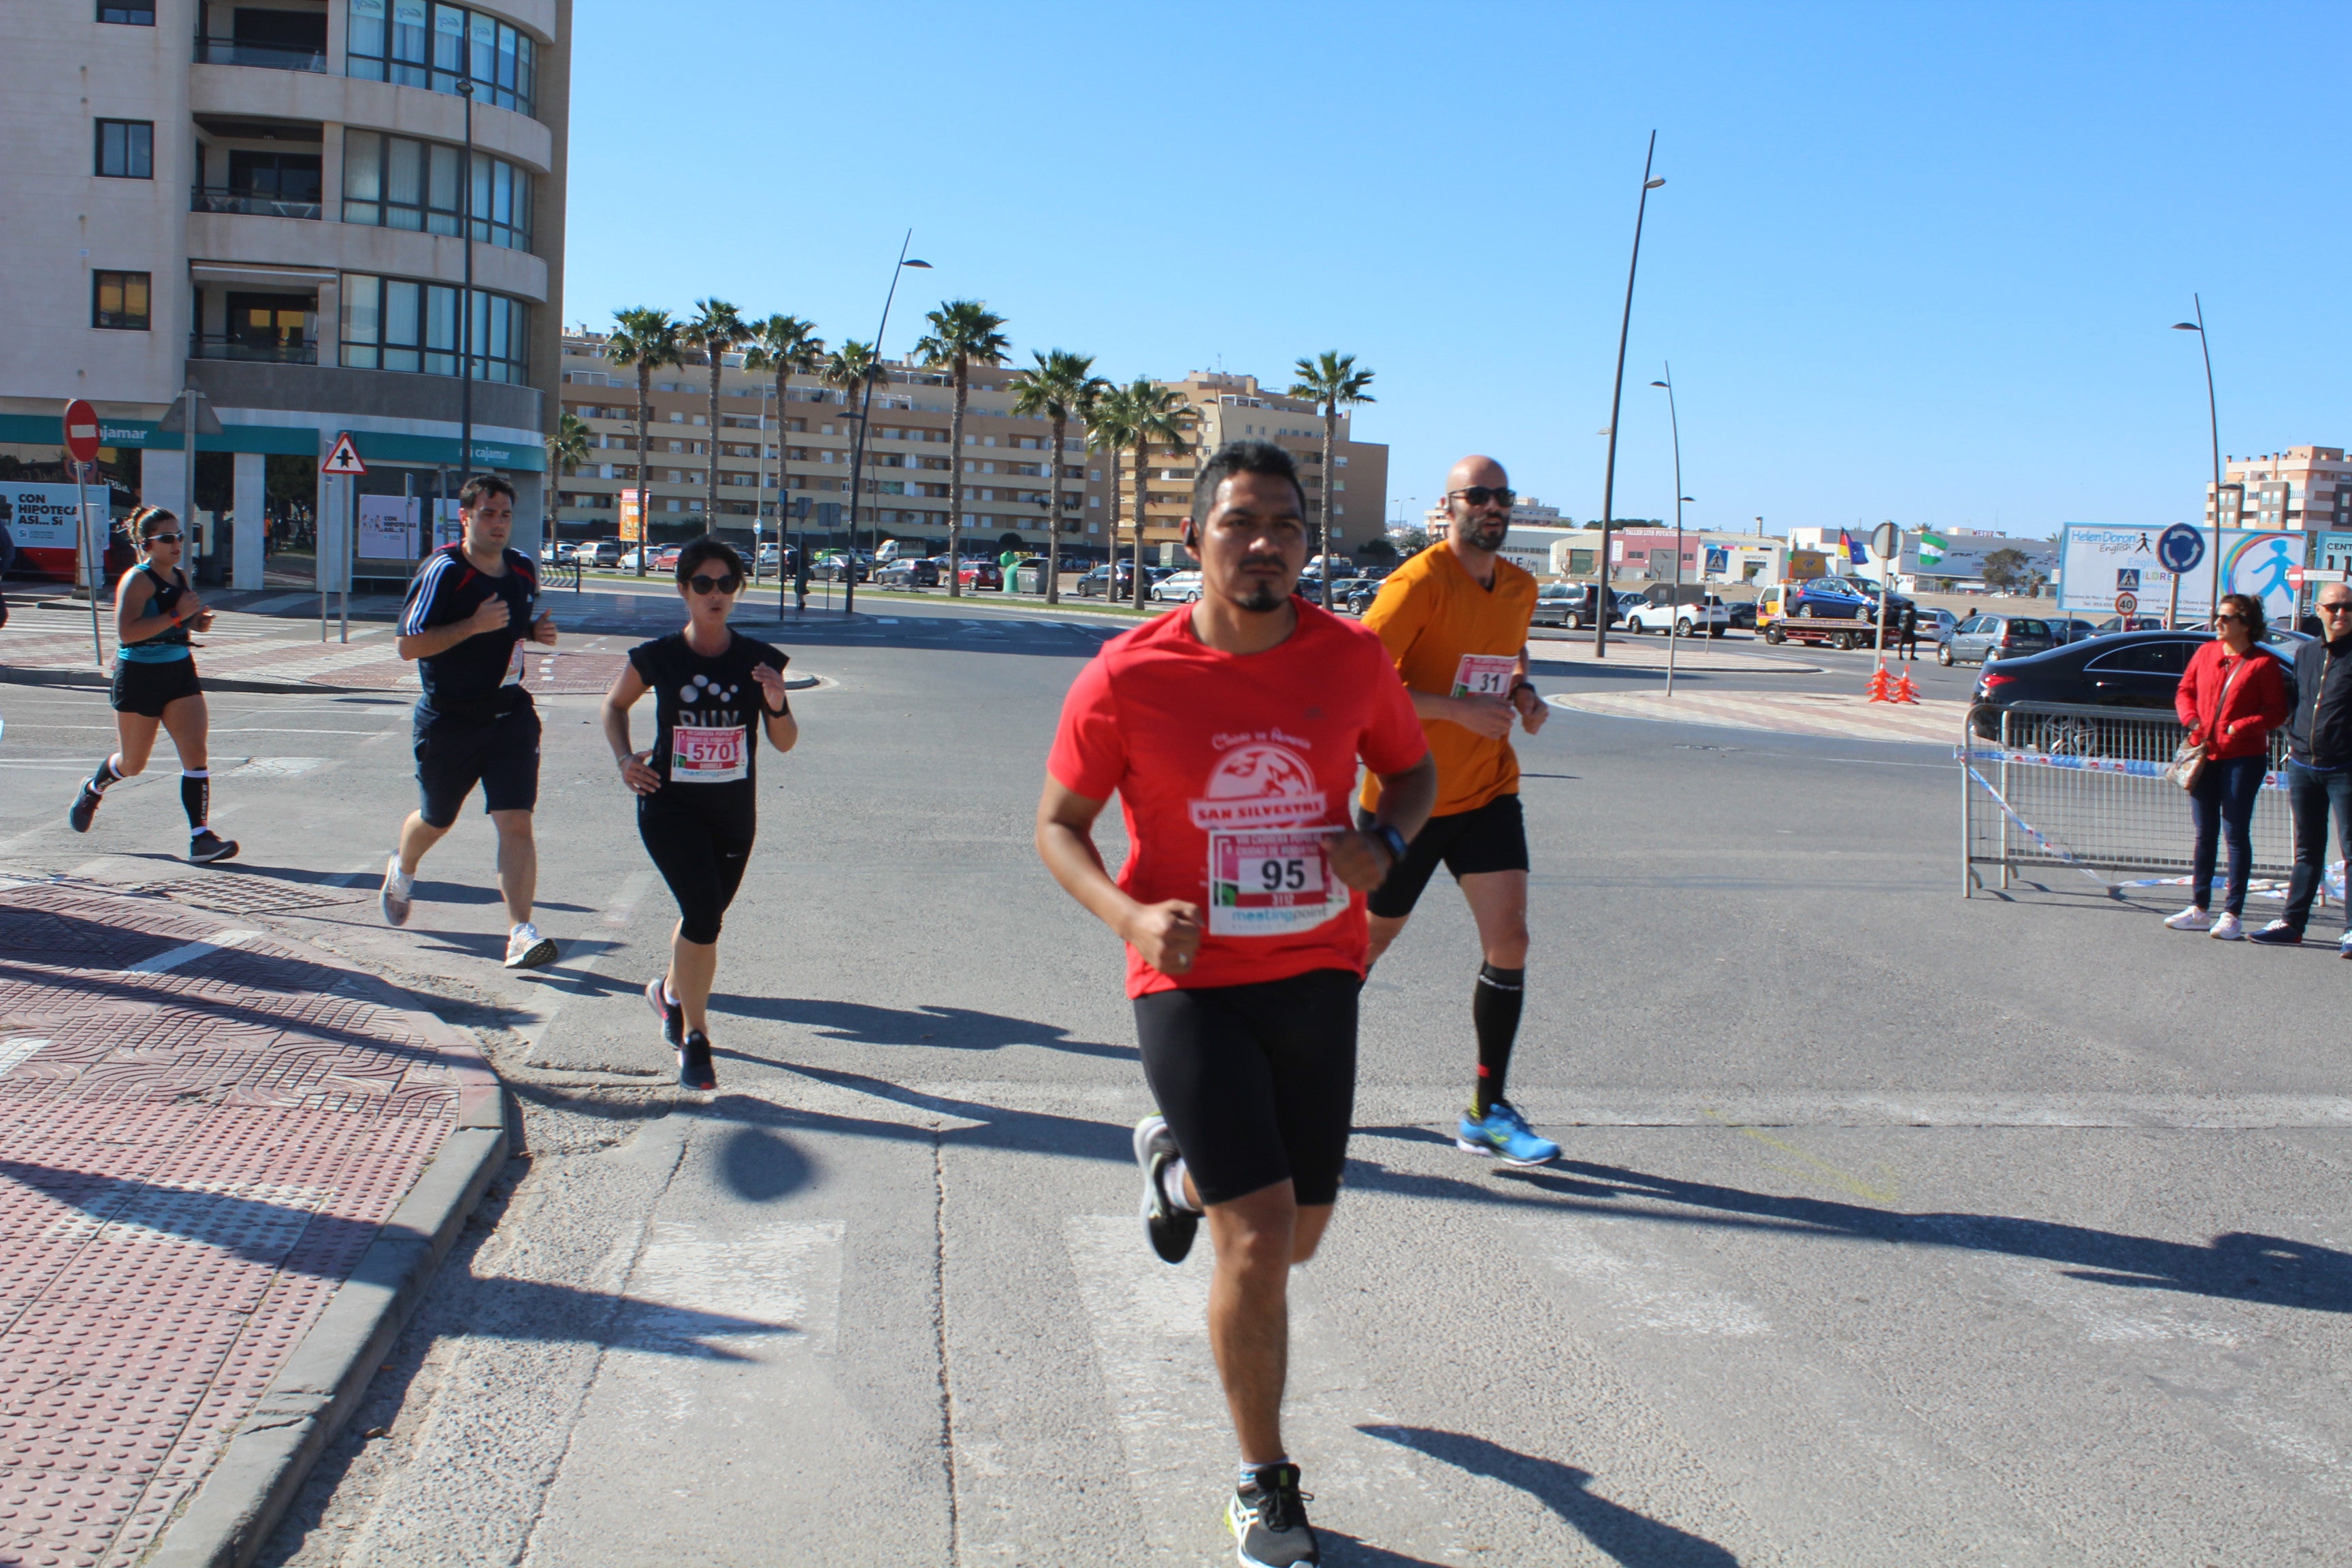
(726, 585)
(2229, 618)
(163, 539)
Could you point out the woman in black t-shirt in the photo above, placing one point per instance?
(696, 811)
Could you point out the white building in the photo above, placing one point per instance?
(262, 205)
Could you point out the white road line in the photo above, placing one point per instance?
(616, 915)
(164, 962)
(1646, 1287)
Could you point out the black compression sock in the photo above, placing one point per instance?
(197, 798)
(105, 776)
(1495, 1014)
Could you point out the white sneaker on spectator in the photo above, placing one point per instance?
(2344, 948)
(2226, 929)
(2190, 918)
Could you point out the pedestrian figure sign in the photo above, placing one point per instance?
(2180, 548)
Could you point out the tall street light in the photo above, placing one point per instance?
(866, 403)
(2213, 418)
(1675, 620)
(1616, 397)
(465, 300)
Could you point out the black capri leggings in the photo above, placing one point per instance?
(702, 860)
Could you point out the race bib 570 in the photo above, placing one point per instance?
(698, 755)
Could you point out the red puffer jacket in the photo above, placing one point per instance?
(2254, 704)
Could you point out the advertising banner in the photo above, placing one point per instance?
(2099, 563)
(2332, 551)
(44, 522)
(388, 528)
(632, 516)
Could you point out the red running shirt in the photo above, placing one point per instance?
(1229, 769)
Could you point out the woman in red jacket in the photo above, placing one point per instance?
(2232, 696)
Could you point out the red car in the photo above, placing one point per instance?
(665, 558)
(978, 574)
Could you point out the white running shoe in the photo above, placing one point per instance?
(2344, 948)
(399, 890)
(2190, 918)
(526, 948)
(2226, 929)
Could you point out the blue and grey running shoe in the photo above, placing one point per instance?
(1505, 1133)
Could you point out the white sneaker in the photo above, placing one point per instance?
(526, 948)
(399, 889)
(2226, 929)
(2190, 918)
(2344, 948)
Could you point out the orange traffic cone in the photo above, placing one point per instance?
(1905, 691)
(1879, 684)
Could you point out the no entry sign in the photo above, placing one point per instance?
(81, 431)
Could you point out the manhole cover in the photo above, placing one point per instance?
(230, 894)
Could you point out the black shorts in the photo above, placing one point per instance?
(503, 756)
(1492, 837)
(701, 854)
(1258, 1082)
(145, 688)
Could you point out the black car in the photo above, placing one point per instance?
(1570, 605)
(2122, 670)
(917, 572)
(1743, 614)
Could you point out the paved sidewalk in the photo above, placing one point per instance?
(1933, 720)
(206, 1134)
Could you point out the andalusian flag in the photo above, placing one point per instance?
(1931, 549)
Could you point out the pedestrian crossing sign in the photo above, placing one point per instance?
(344, 458)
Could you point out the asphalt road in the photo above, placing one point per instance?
(1893, 1228)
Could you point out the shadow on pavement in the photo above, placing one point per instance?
(947, 1028)
(1635, 1540)
(1026, 1131)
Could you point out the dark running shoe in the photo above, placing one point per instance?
(2278, 934)
(672, 1015)
(209, 847)
(694, 1068)
(85, 808)
(1269, 1519)
(1170, 1228)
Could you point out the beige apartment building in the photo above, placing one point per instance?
(1236, 408)
(2303, 489)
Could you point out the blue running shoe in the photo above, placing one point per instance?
(1505, 1133)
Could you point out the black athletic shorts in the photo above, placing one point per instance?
(145, 688)
(1258, 1082)
(1492, 837)
(701, 854)
(503, 756)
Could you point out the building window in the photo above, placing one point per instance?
(129, 15)
(398, 323)
(422, 43)
(119, 300)
(392, 182)
(126, 149)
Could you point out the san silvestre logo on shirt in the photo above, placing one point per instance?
(1262, 780)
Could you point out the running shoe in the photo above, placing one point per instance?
(1504, 1131)
(2190, 918)
(2344, 947)
(694, 1068)
(2278, 934)
(85, 806)
(2227, 929)
(1269, 1519)
(1170, 1228)
(209, 847)
(399, 891)
(526, 948)
(671, 1013)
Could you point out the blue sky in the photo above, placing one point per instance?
(1911, 262)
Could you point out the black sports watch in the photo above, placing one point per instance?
(1389, 836)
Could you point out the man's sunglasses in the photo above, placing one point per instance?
(2343, 607)
(1479, 495)
(726, 585)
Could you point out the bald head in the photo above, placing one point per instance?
(1476, 528)
(1475, 469)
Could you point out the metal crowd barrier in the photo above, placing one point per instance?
(2083, 789)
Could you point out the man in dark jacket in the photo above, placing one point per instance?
(2318, 763)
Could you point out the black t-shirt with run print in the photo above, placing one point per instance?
(706, 721)
(481, 680)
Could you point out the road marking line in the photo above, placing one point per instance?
(164, 962)
(617, 915)
(1648, 1288)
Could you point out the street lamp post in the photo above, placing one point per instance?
(2213, 421)
(1605, 603)
(865, 404)
(465, 297)
(1674, 617)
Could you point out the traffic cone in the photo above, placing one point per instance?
(1879, 684)
(1904, 691)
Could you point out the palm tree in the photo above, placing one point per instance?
(1110, 425)
(787, 346)
(1331, 379)
(1060, 387)
(717, 330)
(1154, 414)
(963, 334)
(852, 368)
(647, 339)
(568, 448)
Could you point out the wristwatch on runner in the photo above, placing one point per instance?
(1389, 837)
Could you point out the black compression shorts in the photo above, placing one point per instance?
(1258, 1082)
(503, 756)
(701, 857)
(1491, 837)
(148, 688)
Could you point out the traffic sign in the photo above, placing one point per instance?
(81, 431)
(2126, 604)
(2180, 548)
(2295, 576)
(344, 458)
(1886, 541)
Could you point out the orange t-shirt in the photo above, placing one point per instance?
(1448, 636)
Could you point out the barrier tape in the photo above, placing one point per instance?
(2060, 850)
(2128, 768)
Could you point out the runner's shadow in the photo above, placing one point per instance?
(1631, 1539)
(1341, 1550)
(941, 1027)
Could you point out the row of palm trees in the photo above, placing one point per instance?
(1060, 387)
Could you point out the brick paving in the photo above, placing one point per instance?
(202, 1129)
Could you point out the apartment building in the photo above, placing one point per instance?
(2303, 489)
(1236, 408)
(247, 219)
(771, 458)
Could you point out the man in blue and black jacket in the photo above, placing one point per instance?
(2318, 762)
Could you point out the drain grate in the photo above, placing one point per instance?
(232, 894)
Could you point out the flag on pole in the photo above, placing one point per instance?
(1849, 549)
(1931, 549)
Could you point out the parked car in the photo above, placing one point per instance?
(1177, 588)
(2138, 670)
(1934, 626)
(2131, 624)
(1742, 613)
(1360, 595)
(600, 551)
(841, 566)
(1699, 614)
(977, 573)
(2070, 628)
(1113, 580)
(1570, 605)
(913, 571)
(1982, 638)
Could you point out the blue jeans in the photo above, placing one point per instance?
(2224, 802)
(2311, 793)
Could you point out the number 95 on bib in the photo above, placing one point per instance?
(1270, 883)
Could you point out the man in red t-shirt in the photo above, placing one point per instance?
(1231, 733)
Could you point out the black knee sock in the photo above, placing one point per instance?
(105, 776)
(196, 799)
(1495, 1014)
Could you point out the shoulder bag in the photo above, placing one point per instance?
(2189, 757)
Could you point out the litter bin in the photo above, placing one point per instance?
(1029, 580)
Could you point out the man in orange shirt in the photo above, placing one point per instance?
(1454, 618)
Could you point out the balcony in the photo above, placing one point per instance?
(253, 204)
(253, 350)
(282, 57)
